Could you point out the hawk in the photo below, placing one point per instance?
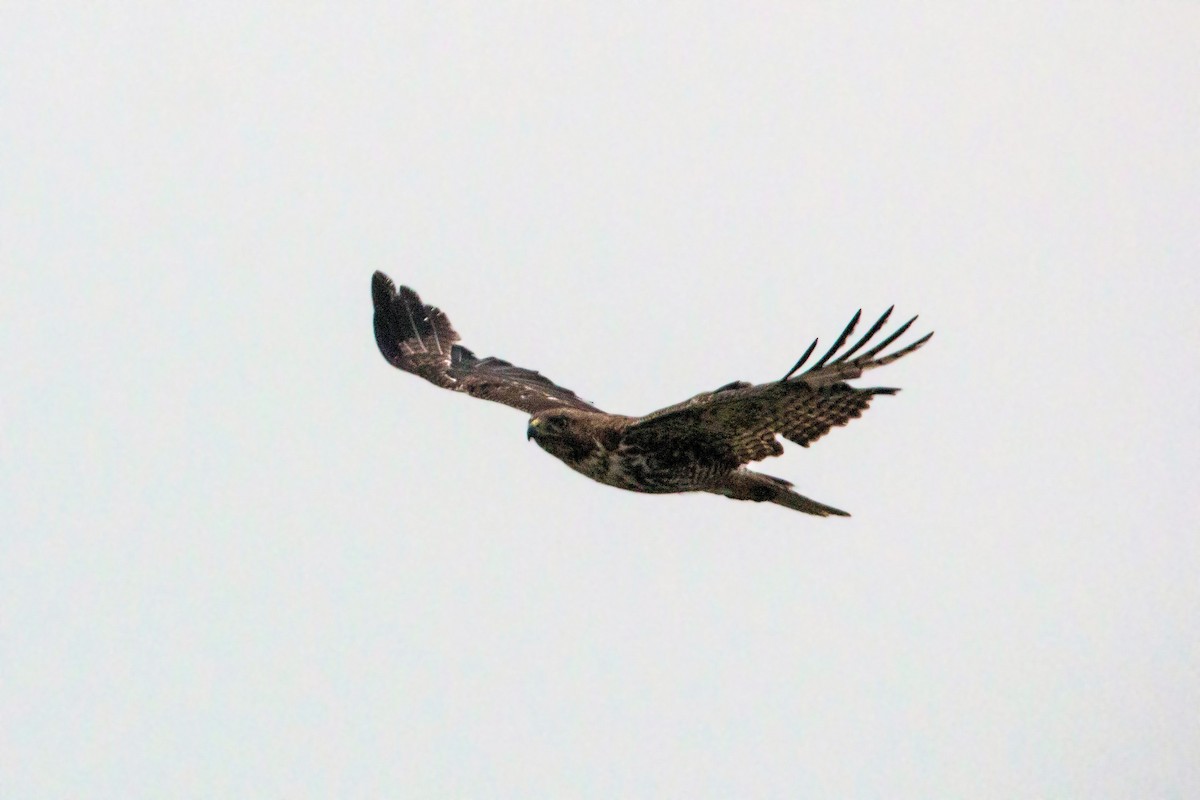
(700, 445)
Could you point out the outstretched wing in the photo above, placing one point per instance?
(740, 422)
(419, 339)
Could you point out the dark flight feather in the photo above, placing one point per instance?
(743, 423)
(419, 338)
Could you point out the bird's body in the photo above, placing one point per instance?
(595, 444)
(699, 445)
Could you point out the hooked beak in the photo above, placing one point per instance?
(529, 432)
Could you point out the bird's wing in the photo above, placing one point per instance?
(741, 422)
(419, 339)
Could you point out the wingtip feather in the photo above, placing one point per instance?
(800, 362)
(382, 289)
(841, 340)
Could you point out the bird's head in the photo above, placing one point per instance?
(548, 425)
(559, 433)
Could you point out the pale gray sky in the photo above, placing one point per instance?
(243, 557)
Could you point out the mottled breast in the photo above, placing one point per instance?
(656, 471)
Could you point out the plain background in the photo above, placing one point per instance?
(243, 557)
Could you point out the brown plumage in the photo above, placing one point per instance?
(699, 445)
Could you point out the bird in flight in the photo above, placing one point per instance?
(700, 445)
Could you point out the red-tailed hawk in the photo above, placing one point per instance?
(700, 445)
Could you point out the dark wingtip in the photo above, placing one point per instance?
(841, 340)
(382, 289)
(800, 363)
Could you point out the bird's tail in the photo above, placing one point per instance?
(747, 485)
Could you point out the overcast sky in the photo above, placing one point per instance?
(244, 557)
